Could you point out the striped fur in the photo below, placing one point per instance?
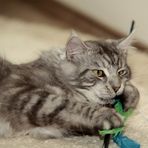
(58, 95)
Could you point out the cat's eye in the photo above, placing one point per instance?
(122, 72)
(98, 73)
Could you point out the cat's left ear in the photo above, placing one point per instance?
(126, 42)
(75, 47)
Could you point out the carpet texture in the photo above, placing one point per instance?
(24, 32)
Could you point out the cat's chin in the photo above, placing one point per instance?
(106, 101)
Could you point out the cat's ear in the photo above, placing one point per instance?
(126, 42)
(74, 47)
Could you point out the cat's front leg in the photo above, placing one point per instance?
(130, 96)
(82, 118)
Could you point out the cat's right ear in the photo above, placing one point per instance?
(74, 47)
(125, 43)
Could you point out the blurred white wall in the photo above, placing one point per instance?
(116, 14)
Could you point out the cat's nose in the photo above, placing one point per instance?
(116, 88)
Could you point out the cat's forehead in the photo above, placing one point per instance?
(103, 47)
(105, 54)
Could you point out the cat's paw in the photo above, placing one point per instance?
(110, 119)
(130, 97)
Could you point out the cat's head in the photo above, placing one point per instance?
(98, 67)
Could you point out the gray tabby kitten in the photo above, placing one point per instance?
(67, 91)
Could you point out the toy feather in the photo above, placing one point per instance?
(119, 139)
(125, 142)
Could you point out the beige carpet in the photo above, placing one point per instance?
(21, 40)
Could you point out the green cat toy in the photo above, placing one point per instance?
(118, 138)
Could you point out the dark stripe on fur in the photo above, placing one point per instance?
(82, 130)
(87, 112)
(92, 113)
(32, 114)
(73, 105)
(52, 116)
(25, 101)
(15, 98)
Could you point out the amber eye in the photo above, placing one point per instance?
(98, 73)
(122, 72)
